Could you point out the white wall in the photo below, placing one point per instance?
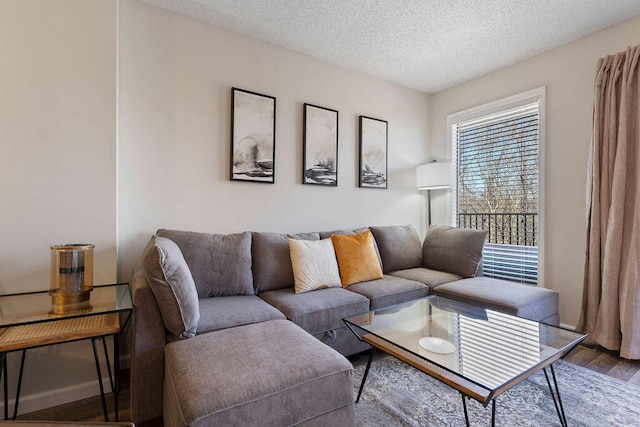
(57, 163)
(568, 74)
(176, 76)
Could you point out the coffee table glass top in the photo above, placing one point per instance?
(484, 346)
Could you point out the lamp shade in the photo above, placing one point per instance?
(433, 176)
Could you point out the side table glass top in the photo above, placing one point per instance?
(487, 347)
(34, 307)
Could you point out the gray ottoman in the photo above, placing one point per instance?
(265, 374)
(530, 302)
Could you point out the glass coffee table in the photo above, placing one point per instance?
(480, 352)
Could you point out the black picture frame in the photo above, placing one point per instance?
(320, 146)
(253, 136)
(373, 158)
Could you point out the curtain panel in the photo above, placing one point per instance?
(611, 294)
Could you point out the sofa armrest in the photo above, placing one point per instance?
(147, 352)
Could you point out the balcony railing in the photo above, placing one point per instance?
(511, 248)
(504, 228)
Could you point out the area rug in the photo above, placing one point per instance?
(396, 394)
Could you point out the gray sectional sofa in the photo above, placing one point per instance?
(221, 337)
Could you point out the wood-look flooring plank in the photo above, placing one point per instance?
(625, 369)
(582, 355)
(635, 379)
(604, 363)
(89, 410)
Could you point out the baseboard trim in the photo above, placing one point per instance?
(43, 400)
(564, 325)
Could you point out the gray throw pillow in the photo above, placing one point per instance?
(172, 285)
(454, 250)
(399, 246)
(272, 259)
(220, 264)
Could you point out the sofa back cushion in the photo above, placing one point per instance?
(172, 286)
(454, 250)
(220, 264)
(272, 260)
(328, 234)
(399, 247)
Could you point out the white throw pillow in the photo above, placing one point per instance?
(314, 265)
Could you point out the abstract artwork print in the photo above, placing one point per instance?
(253, 130)
(320, 140)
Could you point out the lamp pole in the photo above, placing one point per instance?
(429, 206)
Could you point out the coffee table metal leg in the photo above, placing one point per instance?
(464, 407)
(466, 414)
(556, 392)
(493, 413)
(372, 352)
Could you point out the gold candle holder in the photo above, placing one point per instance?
(71, 277)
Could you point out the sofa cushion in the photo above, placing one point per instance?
(272, 260)
(328, 234)
(317, 311)
(399, 247)
(314, 265)
(274, 374)
(172, 286)
(227, 312)
(431, 278)
(454, 250)
(220, 264)
(530, 302)
(357, 258)
(389, 291)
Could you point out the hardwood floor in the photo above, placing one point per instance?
(89, 410)
(594, 358)
(606, 362)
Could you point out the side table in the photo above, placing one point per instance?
(25, 323)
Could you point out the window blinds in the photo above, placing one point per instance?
(497, 173)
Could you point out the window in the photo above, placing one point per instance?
(497, 155)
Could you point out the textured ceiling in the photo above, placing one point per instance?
(428, 45)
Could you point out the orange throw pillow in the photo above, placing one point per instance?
(357, 258)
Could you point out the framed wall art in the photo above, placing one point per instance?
(253, 133)
(320, 141)
(373, 153)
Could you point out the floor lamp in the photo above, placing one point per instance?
(433, 176)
